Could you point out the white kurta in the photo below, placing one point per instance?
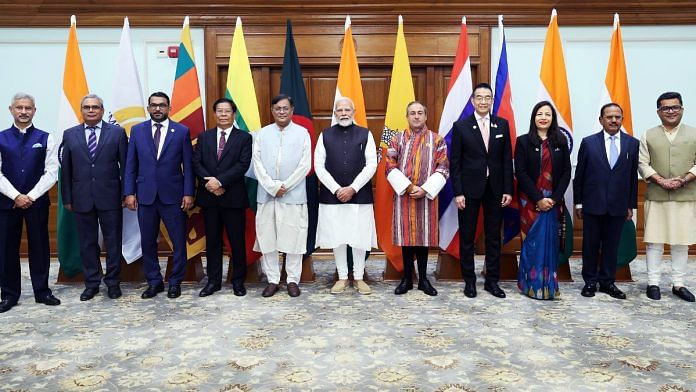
(666, 221)
(281, 226)
(351, 224)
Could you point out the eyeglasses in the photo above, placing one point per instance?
(670, 109)
(283, 109)
(88, 108)
(480, 98)
(158, 105)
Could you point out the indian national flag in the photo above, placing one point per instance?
(240, 89)
(554, 88)
(616, 90)
(69, 115)
(127, 109)
(400, 94)
(188, 110)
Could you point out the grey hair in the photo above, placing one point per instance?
(345, 99)
(92, 96)
(19, 96)
(425, 110)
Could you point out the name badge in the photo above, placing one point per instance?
(498, 136)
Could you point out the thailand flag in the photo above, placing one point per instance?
(457, 106)
(502, 107)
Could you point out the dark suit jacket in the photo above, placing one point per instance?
(600, 189)
(229, 170)
(171, 176)
(88, 183)
(528, 167)
(470, 159)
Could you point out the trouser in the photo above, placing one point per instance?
(271, 267)
(341, 256)
(88, 224)
(653, 257)
(175, 221)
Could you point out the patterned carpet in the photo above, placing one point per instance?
(350, 342)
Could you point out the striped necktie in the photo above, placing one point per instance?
(92, 141)
(221, 145)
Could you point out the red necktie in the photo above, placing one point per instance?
(156, 138)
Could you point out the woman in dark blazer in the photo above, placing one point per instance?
(542, 168)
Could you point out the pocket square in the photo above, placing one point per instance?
(498, 136)
(37, 145)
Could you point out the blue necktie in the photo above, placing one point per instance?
(92, 141)
(613, 151)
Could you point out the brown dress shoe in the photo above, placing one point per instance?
(293, 290)
(270, 289)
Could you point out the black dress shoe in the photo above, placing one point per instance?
(589, 290)
(684, 294)
(404, 286)
(209, 289)
(174, 291)
(653, 292)
(613, 291)
(470, 290)
(114, 292)
(425, 286)
(89, 293)
(152, 291)
(49, 300)
(270, 289)
(6, 305)
(494, 290)
(293, 290)
(239, 290)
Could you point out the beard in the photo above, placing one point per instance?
(346, 122)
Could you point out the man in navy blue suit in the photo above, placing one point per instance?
(159, 183)
(94, 159)
(28, 169)
(605, 190)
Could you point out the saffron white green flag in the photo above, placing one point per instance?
(127, 109)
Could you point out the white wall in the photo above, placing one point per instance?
(33, 59)
(658, 59)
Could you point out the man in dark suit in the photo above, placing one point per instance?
(159, 183)
(94, 159)
(481, 167)
(605, 192)
(28, 169)
(221, 158)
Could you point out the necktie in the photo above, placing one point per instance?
(92, 141)
(613, 151)
(221, 145)
(485, 132)
(156, 138)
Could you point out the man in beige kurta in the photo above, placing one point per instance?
(668, 164)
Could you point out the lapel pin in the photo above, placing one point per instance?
(475, 127)
(494, 125)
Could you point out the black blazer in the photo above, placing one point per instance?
(229, 170)
(88, 183)
(599, 188)
(528, 167)
(469, 158)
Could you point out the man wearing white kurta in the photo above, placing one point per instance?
(281, 159)
(668, 163)
(345, 159)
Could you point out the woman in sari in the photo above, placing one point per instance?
(542, 169)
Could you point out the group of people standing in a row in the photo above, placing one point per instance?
(155, 172)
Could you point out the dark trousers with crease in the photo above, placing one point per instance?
(88, 224)
(233, 220)
(600, 235)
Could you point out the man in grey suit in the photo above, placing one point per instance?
(93, 162)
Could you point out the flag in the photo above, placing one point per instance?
(400, 94)
(127, 109)
(292, 84)
(457, 106)
(240, 89)
(69, 115)
(502, 107)
(554, 88)
(348, 84)
(186, 108)
(616, 90)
